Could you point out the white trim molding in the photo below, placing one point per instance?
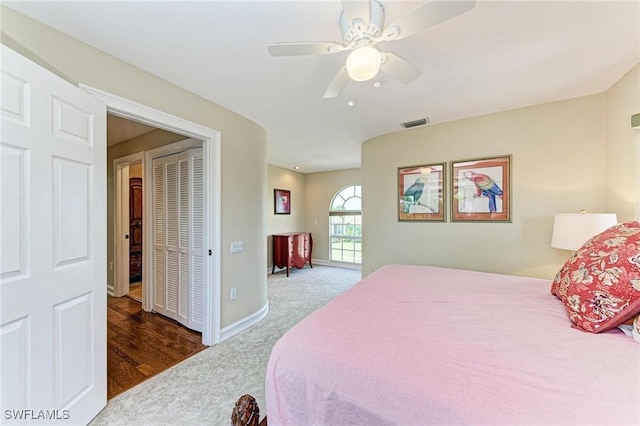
(344, 265)
(244, 323)
(322, 262)
(211, 147)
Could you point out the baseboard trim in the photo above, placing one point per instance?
(245, 323)
(322, 262)
(110, 290)
(337, 264)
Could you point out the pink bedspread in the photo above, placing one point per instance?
(414, 345)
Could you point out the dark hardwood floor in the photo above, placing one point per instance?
(142, 344)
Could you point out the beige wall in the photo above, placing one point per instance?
(623, 152)
(244, 167)
(311, 196)
(151, 140)
(558, 166)
(320, 189)
(279, 178)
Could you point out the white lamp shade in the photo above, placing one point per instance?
(572, 230)
(363, 63)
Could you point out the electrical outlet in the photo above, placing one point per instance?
(237, 247)
(111, 266)
(233, 294)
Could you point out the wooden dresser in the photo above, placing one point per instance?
(292, 249)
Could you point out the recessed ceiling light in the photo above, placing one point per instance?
(296, 167)
(376, 84)
(351, 103)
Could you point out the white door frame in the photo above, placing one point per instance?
(121, 221)
(211, 149)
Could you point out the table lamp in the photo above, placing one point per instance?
(572, 230)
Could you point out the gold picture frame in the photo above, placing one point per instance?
(421, 193)
(481, 190)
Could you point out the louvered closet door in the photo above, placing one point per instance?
(182, 221)
(178, 201)
(171, 241)
(159, 235)
(197, 232)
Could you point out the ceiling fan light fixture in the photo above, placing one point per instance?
(363, 63)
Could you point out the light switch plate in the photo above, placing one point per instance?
(237, 247)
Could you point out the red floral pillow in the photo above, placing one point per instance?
(600, 284)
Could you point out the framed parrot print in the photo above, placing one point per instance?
(421, 193)
(481, 190)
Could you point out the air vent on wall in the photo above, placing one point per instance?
(415, 123)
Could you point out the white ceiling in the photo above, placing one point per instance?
(501, 55)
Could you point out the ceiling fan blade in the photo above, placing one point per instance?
(338, 84)
(299, 49)
(356, 9)
(428, 15)
(399, 68)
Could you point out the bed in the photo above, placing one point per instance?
(418, 345)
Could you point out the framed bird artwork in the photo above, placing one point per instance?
(421, 193)
(481, 190)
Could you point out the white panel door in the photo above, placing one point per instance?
(53, 259)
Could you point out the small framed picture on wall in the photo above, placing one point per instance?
(481, 190)
(281, 201)
(421, 193)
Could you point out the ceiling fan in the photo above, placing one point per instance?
(362, 26)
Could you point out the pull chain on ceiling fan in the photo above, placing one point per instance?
(362, 23)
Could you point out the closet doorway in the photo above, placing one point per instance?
(135, 229)
(129, 220)
(129, 210)
(129, 327)
(160, 210)
(178, 197)
(211, 151)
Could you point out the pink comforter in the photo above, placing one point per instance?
(414, 345)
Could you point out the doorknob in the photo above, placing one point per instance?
(126, 237)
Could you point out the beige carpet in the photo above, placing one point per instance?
(202, 389)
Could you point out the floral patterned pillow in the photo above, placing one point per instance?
(600, 284)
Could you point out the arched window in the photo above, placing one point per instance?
(345, 225)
